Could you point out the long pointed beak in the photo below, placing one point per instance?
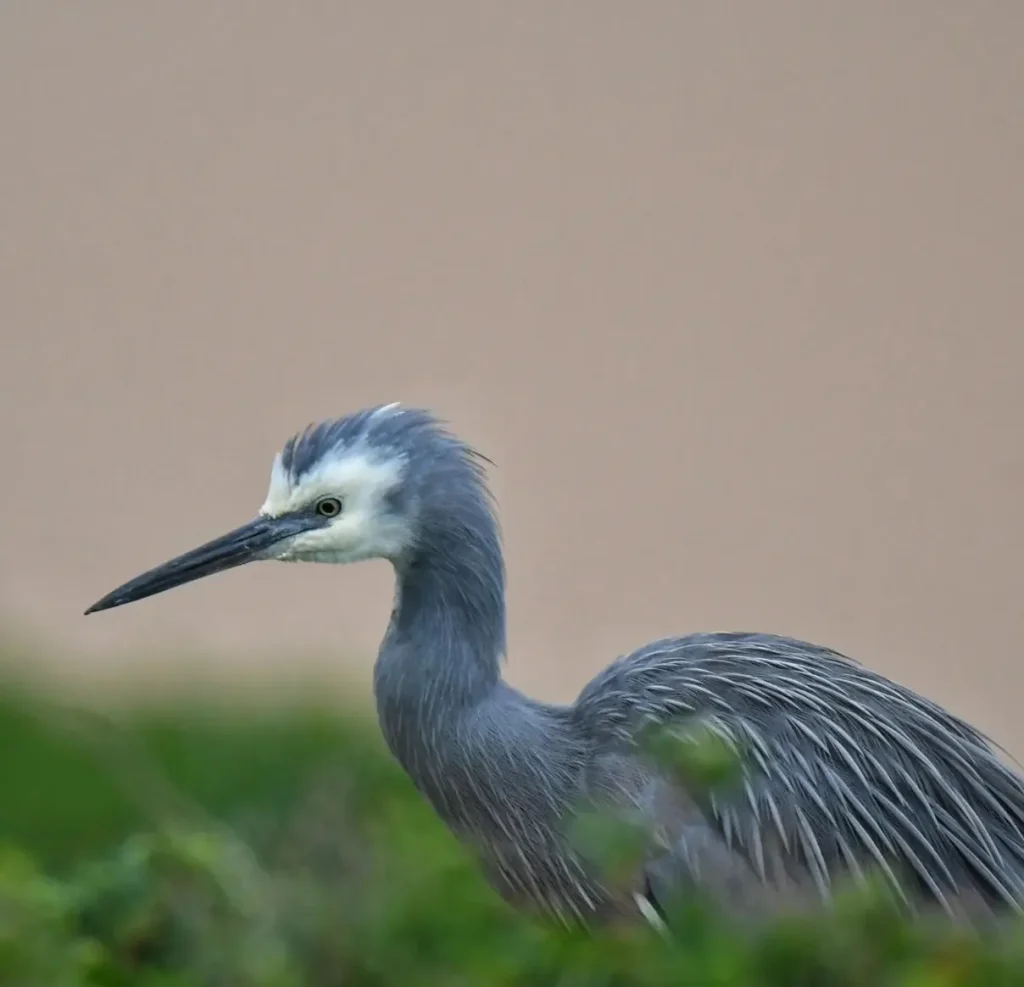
(245, 544)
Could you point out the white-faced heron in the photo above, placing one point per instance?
(844, 772)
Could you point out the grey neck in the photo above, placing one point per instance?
(498, 767)
(440, 658)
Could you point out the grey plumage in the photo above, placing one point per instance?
(844, 771)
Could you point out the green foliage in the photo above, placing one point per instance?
(231, 847)
(697, 755)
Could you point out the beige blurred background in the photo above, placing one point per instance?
(731, 292)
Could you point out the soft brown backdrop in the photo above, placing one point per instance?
(731, 291)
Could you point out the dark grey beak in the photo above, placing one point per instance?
(244, 544)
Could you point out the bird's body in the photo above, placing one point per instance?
(844, 771)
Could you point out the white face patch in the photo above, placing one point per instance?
(364, 529)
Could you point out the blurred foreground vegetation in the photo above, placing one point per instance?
(194, 846)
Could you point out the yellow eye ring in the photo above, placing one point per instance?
(328, 507)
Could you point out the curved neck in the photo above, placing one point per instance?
(442, 652)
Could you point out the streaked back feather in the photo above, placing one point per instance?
(845, 771)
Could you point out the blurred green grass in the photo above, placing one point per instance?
(196, 843)
(78, 781)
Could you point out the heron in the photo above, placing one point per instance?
(845, 773)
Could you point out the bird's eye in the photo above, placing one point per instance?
(328, 507)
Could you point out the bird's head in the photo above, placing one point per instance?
(379, 483)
